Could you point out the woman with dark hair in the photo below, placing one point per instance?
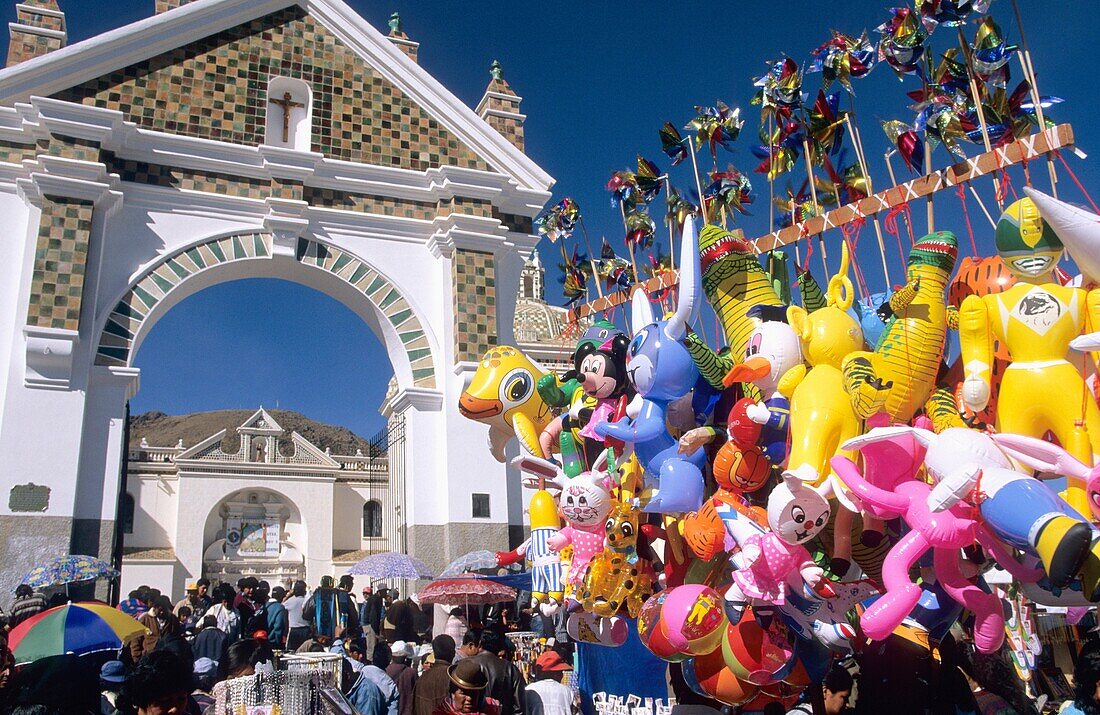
(299, 627)
(243, 657)
(1086, 684)
(159, 685)
(467, 692)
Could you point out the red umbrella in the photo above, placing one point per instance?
(472, 591)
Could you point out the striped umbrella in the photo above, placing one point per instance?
(76, 628)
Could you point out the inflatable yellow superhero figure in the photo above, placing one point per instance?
(1036, 319)
(502, 394)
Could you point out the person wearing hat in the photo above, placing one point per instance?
(432, 687)
(192, 601)
(547, 695)
(206, 674)
(467, 691)
(403, 674)
(112, 675)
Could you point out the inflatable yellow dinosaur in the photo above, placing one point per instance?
(899, 376)
(502, 395)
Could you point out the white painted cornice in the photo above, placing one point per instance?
(420, 398)
(100, 55)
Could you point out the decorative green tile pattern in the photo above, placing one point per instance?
(140, 172)
(12, 153)
(475, 311)
(60, 258)
(70, 148)
(463, 205)
(123, 324)
(384, 205)
(216, 88)
(384, 296)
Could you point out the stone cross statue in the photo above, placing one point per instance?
(286, 104)
(395, 23)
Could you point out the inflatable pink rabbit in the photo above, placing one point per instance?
(585, 504)
(946, 532)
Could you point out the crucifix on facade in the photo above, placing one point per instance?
(286, 104)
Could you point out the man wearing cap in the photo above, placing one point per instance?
(403, 674)
(467, 692)
(112, 675)
(192, 601)
(547, 695)
(206, 674)
(432, 687)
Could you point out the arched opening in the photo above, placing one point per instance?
(372, 519)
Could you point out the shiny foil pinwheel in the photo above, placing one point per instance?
(908, 143)
(902, 43)
(825, 125)
(639, 229)
(949, 13)
(574, 276)
(613, 269)
(717, 126)
(780, 92)
(729, 189)
(781, 148)
(842, 58)
(991, 53)
(678, 209)
(559, 220)
(672, 143)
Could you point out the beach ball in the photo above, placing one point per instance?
(651, 631)
(758, 654)
(693, 619)
(708, 675)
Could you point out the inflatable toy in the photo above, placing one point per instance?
(757, 654)
(693, 620)
(662, 371)
(773, 351)
(772, 561)
(502, 395)
(618, 577)
(651, 630)
(584, 502)
(1078, 230)
(1035, 319)
(899, 375)
(546, 576)
(945, 532)
(709, 676)
(734, 282)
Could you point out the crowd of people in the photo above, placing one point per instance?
(390, 663)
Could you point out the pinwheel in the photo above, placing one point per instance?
(559, 220)
(780, 150)
(909, 144)
(950, 75)
(659, 264)
(1010, 116)
(850, 181)
(940, 119)
(949, 13)
(716, 126)
(614, 270)
(677, 209)
(623, 186)
(825, 125)
(795, 208)
(639, 229)
(902, 43)
(648, 179)
(574, 277)
(843, 58)
(672, 144)
(991, 53)
(728, 189)
(780, 90)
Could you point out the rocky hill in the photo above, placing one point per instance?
(161, 430)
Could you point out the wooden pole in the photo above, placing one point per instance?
(813, 197)
(698, 183)
(1029, 75)
(857, 142)
(629, 244)
(968, 57)
(981, 204)
(894, 181)
(771, 168)
(591, 259)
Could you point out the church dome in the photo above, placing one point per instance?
(539, 322)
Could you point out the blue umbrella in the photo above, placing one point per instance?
(391, 565)
(64, 570)
(473, 561)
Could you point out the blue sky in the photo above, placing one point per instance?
(598, 80)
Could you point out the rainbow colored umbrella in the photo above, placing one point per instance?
(76, 628)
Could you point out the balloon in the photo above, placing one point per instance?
(1038, 319)
(502, 395)
(708, 675)
(651, 630)
(755, 654)
(898, 377)
(693, 619)
(662, 371)
(741, 470)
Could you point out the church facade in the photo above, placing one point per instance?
(229, 139)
